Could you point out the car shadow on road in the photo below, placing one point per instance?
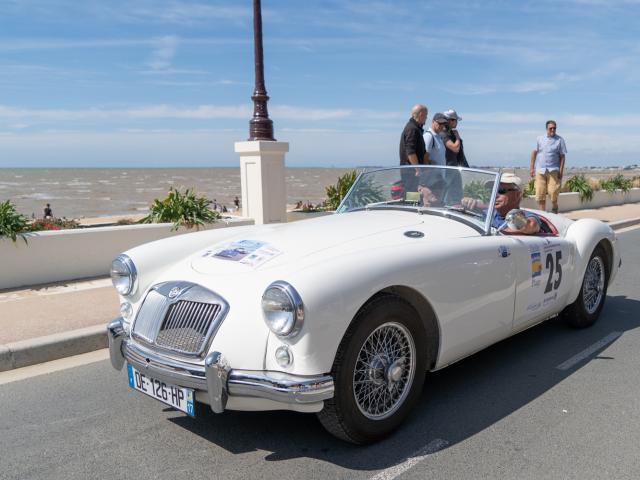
(457, 402)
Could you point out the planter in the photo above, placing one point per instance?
(571, 201)
(53, 256)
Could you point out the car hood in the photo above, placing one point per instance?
(268, 246)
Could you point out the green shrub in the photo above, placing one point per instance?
(580, 185)
(181, 209)
(477, 190)
(530, 189)
(12, 223)
(617, 182)
(335, 193)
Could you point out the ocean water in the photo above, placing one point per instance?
(93, 192)
(89, 192)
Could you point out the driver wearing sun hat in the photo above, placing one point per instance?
(507, 199)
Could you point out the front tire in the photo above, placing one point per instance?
(378, 372)
(586, 309)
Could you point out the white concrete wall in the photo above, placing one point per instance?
(62, 255)
(601, 198)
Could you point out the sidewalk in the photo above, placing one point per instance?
(48, 322)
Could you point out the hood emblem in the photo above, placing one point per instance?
(413, 234)
(174, 292)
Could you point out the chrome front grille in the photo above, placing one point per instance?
(180, 317)
(186, 325)
(154, 307)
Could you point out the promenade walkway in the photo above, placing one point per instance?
(53, 321)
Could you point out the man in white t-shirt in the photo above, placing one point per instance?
(433, 141)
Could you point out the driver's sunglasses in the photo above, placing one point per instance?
(502, 191)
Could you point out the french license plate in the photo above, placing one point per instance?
(178, 397)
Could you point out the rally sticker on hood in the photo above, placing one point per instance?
(249, 252)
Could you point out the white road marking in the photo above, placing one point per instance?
(627, 229)
(589, 351)
(415, 458)
(53, 366)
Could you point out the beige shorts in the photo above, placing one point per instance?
(548, 182)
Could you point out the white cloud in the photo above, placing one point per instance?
(92, 43)
(200, 112)
(162, 56)
(180, 13)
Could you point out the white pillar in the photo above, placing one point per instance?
(264, 196)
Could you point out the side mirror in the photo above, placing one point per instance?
(515, 219)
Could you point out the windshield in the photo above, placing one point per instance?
(425, 189)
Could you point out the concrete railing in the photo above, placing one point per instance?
(601, 198)
(53, 256)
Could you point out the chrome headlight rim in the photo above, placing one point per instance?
(132, 275)
(298, 308)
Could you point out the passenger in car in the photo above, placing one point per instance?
(431, 191)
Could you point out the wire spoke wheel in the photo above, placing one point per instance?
(384, 371)
(593, 285)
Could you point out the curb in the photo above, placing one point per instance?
(624, 223)
(52, 347)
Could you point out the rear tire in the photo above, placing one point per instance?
(378, 372)
(586, 309)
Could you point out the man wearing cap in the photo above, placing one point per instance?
(455, 152)
(433, 140)
(412, 149)
(551, 151)
(507, 199)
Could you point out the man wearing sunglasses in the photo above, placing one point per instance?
(550, 152)
(507, 199)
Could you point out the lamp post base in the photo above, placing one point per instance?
(264, 196)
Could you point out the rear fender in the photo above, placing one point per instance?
(586, 234)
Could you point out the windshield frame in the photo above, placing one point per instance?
(422, 210)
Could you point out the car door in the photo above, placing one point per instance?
(545, 267)
(473, 294)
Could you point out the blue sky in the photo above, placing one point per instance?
(168, 83)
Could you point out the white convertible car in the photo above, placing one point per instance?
(343, 315)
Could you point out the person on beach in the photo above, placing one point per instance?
(550, 152)
(236, 202)
(48, 213)
(412, 148)
(455, 151)
(434, 143)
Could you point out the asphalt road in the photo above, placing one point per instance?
(521, 409)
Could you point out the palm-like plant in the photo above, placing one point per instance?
(617, 182)
(477, 190)
(182, 209)
(530, 189)
(335, 193)
(12, 223)
(580, 185)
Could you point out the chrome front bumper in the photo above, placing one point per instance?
(216, 377)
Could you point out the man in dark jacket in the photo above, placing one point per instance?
(412, 148)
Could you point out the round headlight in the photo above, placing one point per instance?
(282, 309)
(123, 275)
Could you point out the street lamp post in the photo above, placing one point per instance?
(260, 126)
(262, 170)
